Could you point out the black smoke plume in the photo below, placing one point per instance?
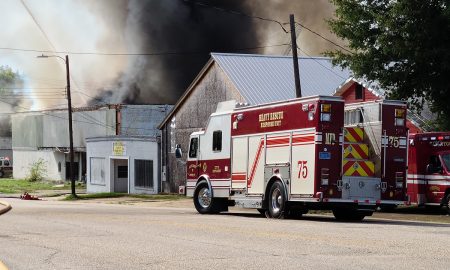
(192, 31)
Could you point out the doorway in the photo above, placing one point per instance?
(120, 175)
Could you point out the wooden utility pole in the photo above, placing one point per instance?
(69, 104)
(69, 109)
(298, 88)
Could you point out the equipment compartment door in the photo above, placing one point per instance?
(303, 163)
(255, 168)
(239, 162)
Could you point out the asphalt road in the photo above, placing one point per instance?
(74, 235)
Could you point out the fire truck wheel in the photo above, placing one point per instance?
(203, 201)
(447, 203)
(348, 215)
(277, 200)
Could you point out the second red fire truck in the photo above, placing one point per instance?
(287, 157)
(429, 169)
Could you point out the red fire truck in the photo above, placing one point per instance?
(429, 169)
(287, 157)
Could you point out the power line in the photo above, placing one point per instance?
(101, 101)
(281, 24)
(324, 38)
(98, 123)
(329, 69)
(238, 13)
(18, 88)
(169, 53)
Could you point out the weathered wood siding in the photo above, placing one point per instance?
(191, 116)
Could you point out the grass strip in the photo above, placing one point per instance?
(11, 186)
(106, 195)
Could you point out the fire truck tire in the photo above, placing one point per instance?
(204, 202)
(447, 203)
(277, 200)
(348, 215)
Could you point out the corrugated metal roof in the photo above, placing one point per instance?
(143, 120)
(264, 78)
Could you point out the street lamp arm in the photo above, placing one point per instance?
(52, 55)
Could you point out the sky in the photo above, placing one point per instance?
(87, 29)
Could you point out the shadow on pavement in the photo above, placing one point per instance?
(414, 210)
(369, 220)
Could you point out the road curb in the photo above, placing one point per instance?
(5, 209)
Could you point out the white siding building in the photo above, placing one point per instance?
(128, 164)
(43, 135)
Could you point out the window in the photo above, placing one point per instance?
(122, 171)
(173, 125)
(97, 171)
(217, 141)
(359, 91)
(59, 166)
(143, 176)
(6, 163)
(446, 159)
(193, 148)
(435, 165)
(353, 117)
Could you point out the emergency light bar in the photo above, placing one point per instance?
(435, 138)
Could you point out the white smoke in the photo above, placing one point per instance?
(113, 26)
(75, 26)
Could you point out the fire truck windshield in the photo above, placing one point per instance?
(446, 159)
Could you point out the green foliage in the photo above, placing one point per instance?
(144, 197)
(38, 171)
(22, 185)
(403, 44)
(8, 77)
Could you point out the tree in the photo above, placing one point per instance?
(9, 80)
(38, 171)
(402, 44)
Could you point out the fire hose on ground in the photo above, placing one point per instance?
(6, 207)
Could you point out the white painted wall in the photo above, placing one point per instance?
(25, 158)
(36, 129)
(136, 148)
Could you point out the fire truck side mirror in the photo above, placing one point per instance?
(431, 168)
(178, 152)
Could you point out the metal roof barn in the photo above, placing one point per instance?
(263, 78)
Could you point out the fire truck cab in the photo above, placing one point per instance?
(285, 158)
(429, 169)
